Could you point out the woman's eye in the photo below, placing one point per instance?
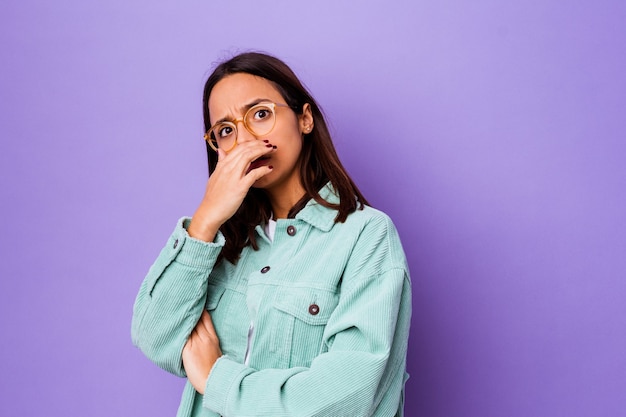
(224, 132)
(261, 114)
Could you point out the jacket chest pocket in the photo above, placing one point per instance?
(229, 320)
(302, 315)
(213, 297)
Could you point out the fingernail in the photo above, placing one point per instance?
(269, 146)
(274, 146)
(270, 166)
(266, 140)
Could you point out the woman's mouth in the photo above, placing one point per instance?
(259, 162)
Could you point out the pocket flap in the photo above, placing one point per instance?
(214, 294)
(311, 305)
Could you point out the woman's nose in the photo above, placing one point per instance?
(243, 134)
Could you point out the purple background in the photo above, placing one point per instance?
(492, 132)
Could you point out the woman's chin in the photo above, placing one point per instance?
(263, 182)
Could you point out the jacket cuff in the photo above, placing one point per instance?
(194, 252)
(224, 374)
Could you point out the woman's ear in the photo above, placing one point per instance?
(306, 119)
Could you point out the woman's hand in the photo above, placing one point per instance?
(227, 187)
(200, 352)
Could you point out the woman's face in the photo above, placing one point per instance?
(232, 96)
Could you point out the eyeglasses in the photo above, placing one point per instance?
(259, 120)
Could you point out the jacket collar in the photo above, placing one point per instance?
(316, 214)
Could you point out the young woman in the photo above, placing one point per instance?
(285, 294)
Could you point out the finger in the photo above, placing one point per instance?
(257, 173)
(247, 152)
(195, 334)
(207, 323)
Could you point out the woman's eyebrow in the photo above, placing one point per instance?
(243, 109)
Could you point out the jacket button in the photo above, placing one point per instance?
(175, 243)
(291, 230)
(314, 309)
(265, 269)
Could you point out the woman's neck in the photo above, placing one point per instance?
(282, 200)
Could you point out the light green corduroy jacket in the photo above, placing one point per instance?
(330, 304)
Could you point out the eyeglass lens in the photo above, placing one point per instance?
(259, 120)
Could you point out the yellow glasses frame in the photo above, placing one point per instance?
(233, 124)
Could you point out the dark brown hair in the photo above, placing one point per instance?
(319, 163)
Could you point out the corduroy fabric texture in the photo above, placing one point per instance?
(331, 307)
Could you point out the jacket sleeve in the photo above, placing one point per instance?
(172, 296)
(365, 344)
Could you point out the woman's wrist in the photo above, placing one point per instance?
(202, 229)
